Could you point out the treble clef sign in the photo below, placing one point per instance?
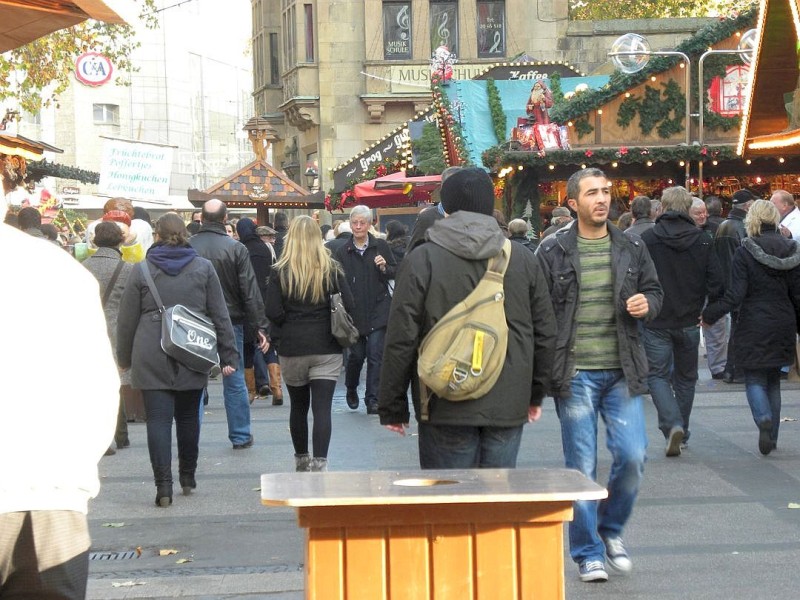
(402, 18)
(442, 31)
(496, 47)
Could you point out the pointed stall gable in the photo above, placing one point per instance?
(259, 184)
(771, 119)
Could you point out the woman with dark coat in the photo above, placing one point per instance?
(298, 302)
(397, 238)
(765, 285)
(171, 390)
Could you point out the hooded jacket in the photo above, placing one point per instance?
(632, 271)
(727, 239)
(765, 286)
(432, 279)
(260, 256)
(181, 277)
(687, 267)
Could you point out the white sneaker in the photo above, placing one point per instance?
(617, 555)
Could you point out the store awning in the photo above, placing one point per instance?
(23, 21)
(396, 189)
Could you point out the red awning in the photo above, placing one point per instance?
(396, 189)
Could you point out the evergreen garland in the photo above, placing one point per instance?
(583, 127)
(40, 169)
(499, 121)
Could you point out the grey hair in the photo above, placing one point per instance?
(697, 203)
(361, 211)
(518, 227)
(762, 212)
(676, 198)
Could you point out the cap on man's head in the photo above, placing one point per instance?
(742, 197)
(266, 231)
(561, 211)
(469, 189)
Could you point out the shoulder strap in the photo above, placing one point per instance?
(499, 263)
(148, 279)
(110, 286)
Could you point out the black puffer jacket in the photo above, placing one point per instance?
(432, 279)
(633, 273)
(687, 268)
(765, 285)
(367, 283)
(232, 263)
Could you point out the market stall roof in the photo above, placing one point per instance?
(92, 202)
(257, 184)
(22, 22)
(396, 189)
(17, 145)
(768, 124)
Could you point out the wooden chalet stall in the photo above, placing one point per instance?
(261, 187)
(635, 129)
(771, 121)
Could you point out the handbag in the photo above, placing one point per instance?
(342, 326)
(186, 335)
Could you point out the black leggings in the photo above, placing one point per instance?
(318, 395)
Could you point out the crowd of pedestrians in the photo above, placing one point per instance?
(598, 317)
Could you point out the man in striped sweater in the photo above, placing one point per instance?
(602, 283)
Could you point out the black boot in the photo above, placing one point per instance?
(186, 477)
(163, 480)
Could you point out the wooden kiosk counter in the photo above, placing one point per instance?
(488, 534)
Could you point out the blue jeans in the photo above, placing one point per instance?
(369, 348)
(604, 393)
(237, 400)
(763, 387)
(465, 447)
(672, 357)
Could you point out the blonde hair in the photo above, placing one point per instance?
(762, 212)
(306, 268)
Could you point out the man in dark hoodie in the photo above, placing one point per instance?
(689, 273)
(483, 432)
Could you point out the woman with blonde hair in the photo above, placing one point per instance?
(765, 284)
(298, 306)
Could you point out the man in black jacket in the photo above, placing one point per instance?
(689, 272)
(728, 238)
(602, 284)
(368, 264)
(242, 295)
(486, 431)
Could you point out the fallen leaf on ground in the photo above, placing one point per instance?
(167, 552)
(138, 550)
(127, 583)
(113, 524)
(256, 489)
(180, 561)
(793, 505)
(788, 419)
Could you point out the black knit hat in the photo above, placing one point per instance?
(469, 189)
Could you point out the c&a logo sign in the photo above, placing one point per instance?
(92, 68)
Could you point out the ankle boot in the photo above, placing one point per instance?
(186, 471)
(302, 463)
(250, 381)
(319, 464)
(163, 479)
(275, 383)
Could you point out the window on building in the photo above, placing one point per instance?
(491, 29)
(396, 30)
(308, 11)
(106, 114)
(274, 65)
(444, 25)
(289, 34)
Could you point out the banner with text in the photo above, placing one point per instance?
(135, 169)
